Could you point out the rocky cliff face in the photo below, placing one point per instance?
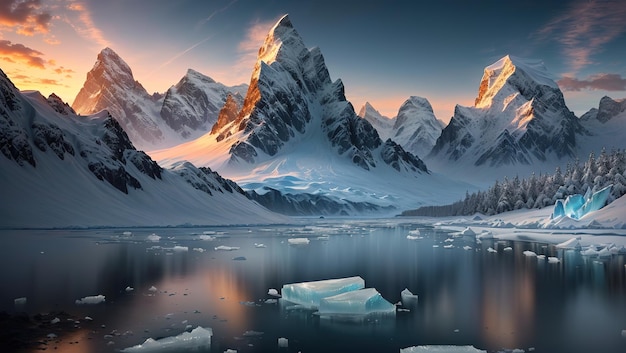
(519, 117)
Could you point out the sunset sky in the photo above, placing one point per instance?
(384, 51)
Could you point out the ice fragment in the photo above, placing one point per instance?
(359, 302)
(309, 294)
(198, 338)
(94, 299)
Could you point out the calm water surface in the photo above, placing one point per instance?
(493, 301)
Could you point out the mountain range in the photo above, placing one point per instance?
(60, 169)
(290, 139)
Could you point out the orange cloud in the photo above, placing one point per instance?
(26, 17)
(13, 52)
(249, 48)
(85, 26)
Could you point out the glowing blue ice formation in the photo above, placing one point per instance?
(576, 206)
(309, 294)
(359, 302)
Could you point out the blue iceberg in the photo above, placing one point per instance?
(309, 294)
(576, 206)
(359, 302)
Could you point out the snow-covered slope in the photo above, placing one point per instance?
(186, 111)
(297, 133)
(605, 126)
(58, 169)
(519, 118)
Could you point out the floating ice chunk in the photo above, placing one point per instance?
(573, 243)
(94, 299)
(271, 301)
(604, 252)
(468, 232)
(127, 234)
(467, 247)
(415, 232)
(51, 336)
(441, 349)
(408, 298)
(200, 250)
(309, 294)
(508, 248)
(153, 237)
(298, 241)
(414, 237)
(252, 333)
(624, 333)
(226, 248)
(449, 240)
(358, 302)
(207, 237)
(259, 245)
(283, 342)
(553, 260)
(129, 289)
(56, 320)
(529, 253)
(19, 301)
(180, 248)
(576, 206)
(541, 257)
(449, 246)
(490, 249)
(199, 338)
(591, 251)
(273, 291)
(152, 289)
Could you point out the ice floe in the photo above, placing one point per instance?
(359, 302)
(309, 294)
(198, 338)
(226, 248)
(94, 299)
(408, 298)
(283, 342)
(298, 241)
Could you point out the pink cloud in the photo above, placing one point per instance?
(26, 17)
(85, 25)
(606, 82)
(585, 28)
(13, 52)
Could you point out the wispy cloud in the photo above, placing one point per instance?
(178, 55)
(25, 17)
(85, 26)
(214, 13)
(584, 29)
(12, 52)
(248, 48)
(605, 82)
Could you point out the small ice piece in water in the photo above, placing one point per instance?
(88, 318)
(273, 291)
(408, 298)
(591, 251)
(127, 234)
(198, 338)
(252, 333)
(467, 247)
(129, 289)
(359, 302)
(153, 237)
(94, 299)
(309, 294)
(541, 257)
(441, 349)
(414, 237)
(529, 253)
(261, 245)
(226, 248)
(200, 250)
(415, 232)
(51, 336)
(271, 301)
(490, 249)
(624, 333)
(468, 232)
(56, 320)
(298, 241)
(449, 240)
(180, 248)
(206, 237)
(230, 351)
(553, 260)
(19, 301)
(508, 248)
(283, 342)
(152, 289)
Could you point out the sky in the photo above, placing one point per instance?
(383, 51)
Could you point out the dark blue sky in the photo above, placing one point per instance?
(384, 51)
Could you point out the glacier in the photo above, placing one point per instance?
(577, 206)
(309, 294)
(360, 302)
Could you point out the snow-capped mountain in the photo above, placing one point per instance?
(186, 111)
(59, 169)
(519, 118)
(605, 127)
(415, 128)
(297, 133)
(381, 123)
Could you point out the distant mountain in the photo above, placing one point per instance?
(186, 111)
(605, 127)
(297, 133)
(381, 123)
(519, 118)
(59, 169)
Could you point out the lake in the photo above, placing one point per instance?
(492, 300)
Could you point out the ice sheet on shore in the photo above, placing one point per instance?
(359, 302)
(309, 294)
(198, 338)
(441, 349)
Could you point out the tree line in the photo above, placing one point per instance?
(538, 191)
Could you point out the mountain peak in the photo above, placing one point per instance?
(518, 73)
(280, 37)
